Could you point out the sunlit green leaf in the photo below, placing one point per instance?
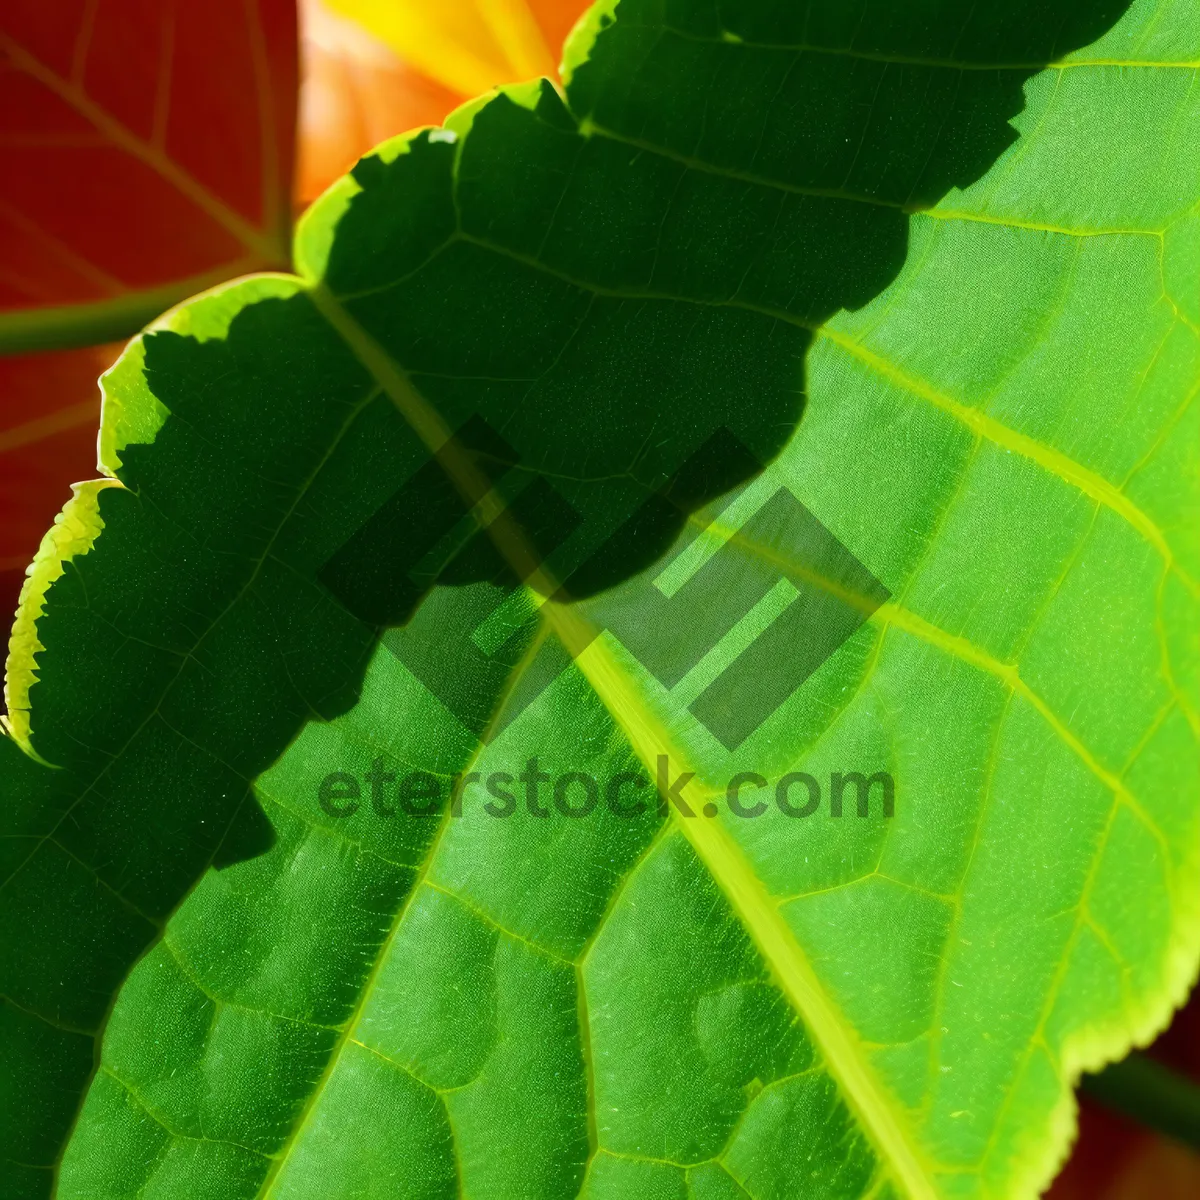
(934, 264)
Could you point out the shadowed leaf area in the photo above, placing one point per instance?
(620, 302)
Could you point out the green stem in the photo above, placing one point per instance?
(68, 326)
(1152, 1095)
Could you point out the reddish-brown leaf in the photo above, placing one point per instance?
(148, 150)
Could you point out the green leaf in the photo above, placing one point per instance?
(968, 349)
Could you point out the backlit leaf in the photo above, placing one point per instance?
(131, 179)
(968, 350)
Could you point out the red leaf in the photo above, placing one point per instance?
(148, 147)
(148, 154)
